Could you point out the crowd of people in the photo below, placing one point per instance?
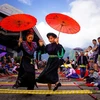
(8, 66)
(86, 64)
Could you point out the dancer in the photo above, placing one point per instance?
(26, 75)
(50, 73)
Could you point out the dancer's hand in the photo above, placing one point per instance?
(41, 43)
(57, 40)
(20, 41)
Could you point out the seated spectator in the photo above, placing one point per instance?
(15, 69)
(69, 71)
(90, 63)
(3, 69)
(96, 67)
(9, 67)
(93, 77)
(93, 65)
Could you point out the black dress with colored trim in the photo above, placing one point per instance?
(26, 75)
(50, 72)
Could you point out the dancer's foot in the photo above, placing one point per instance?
(30, 88)
(56, 87)
(48, 95)
(16, 85)
(36, 85)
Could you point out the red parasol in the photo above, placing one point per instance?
(62, 23)
(18, 22)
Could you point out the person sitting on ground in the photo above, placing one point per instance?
(3, 70)
(93, 78)
(69, 71)
(96, 67)
(16, 67)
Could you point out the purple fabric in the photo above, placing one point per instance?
(24, 44)
(3, 54)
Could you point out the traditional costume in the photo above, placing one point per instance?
(26, 75)
(50, 72)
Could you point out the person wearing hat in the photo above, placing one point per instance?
(50, 73)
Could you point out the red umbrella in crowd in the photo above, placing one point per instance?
(62, 23)
(18, 22)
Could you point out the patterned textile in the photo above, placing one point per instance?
(28, 49)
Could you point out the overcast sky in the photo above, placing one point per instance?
(85, 12)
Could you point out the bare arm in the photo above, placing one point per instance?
(20, 41)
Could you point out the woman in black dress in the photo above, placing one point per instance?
(50, 73)
(26, 75)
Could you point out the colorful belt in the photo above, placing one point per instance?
(53, 56)
(82, 65)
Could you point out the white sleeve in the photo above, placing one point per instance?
(71, 72)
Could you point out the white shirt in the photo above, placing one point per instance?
(71, 71)
(90, 54)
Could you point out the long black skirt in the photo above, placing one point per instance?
(50, 72)
(26, 75)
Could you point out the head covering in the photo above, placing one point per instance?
(51, 34)
(28, 32)
(67, 65)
